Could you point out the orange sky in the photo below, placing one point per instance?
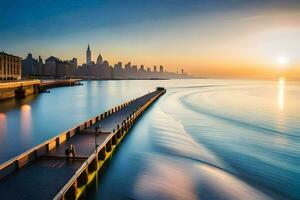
(234, 44)
(241, 43)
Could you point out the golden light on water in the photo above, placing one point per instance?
(25, 108)
(26, 120)
(3, 124)
(281, 96)
(2, 117)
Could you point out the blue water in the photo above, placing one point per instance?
(204, 139)
(26, 123)
(211, 140)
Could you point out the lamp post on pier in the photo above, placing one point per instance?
(97, 129)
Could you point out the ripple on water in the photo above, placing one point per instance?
(199, 174)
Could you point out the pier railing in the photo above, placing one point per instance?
(84, 175)
(74, 188)
(36, 151)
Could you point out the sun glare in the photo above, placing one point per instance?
(282, 60)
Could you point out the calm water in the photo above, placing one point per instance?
(204, 139)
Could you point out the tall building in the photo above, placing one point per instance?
(142, 68)
(99, 59)
(128, 68)
(31, 66)
(134, 68)
(88, 56)
(74, 62)
(154, 68)
(10, 67)
(50, 66)
(161, 69)
(57, 67)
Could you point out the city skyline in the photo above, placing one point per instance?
(210, 39)
(149, 99)
(102, 69)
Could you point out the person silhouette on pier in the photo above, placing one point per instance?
(70, 151)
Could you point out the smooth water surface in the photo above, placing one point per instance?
(204, 139)
(211, 139)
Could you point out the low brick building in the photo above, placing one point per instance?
(10, 67)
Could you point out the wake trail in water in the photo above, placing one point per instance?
(174, 140)
(169, 138)
(196, 108)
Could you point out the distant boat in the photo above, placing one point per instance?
(78, 83)
(44, 91)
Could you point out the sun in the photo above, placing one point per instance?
(282, 60)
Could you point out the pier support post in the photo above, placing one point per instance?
(93, 166)
(102, 154)
(108, 146)
(114, 140)
(82, 179)
(119, 135)
(72, 192)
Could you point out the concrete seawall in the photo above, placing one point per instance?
(42, 172)
(10, 89)
(21, 89)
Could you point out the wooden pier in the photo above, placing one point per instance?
(43, 172)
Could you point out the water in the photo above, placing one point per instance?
(204, 139)
(26, 123)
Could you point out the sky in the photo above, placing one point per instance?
(233, 38)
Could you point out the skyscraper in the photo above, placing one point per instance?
(161, 69)
(99, 59)
(88, 56)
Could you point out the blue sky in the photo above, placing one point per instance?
(63, 28)
(34, 19)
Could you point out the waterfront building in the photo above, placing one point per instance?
(128, 67)
(31, 66)
(161, 69)
(148, 69)
(10, 67)
(106, 63)
(154, 68)
(118, 70)
(118, 67)
(128, 70)
(64, 69)
(59, 68)
(142, 68)
(134, 68)
(74, 62)
(99, 60)
(88, 56)
(50, 66)
(41, 66)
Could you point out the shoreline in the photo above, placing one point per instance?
(22, 88)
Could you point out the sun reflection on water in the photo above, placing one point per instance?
(281, 97)
(280, 140)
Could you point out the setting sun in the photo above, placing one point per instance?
(208, 92)
(282, 60)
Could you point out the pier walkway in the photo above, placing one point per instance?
(44, 172)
